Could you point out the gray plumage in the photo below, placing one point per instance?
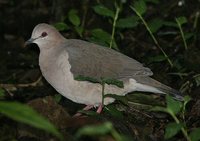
(111, 64)
(61, 60)
(95, 61)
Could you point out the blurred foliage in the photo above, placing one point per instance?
(194, 135)
(108, 81)
(101, 37)
(103, 11)
(102, 129)
(61, 26)
(25, 114)
(2, 94)
(180, 21)
(173, 108)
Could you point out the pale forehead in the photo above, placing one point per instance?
(43, 28)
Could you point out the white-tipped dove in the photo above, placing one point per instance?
(62, 60)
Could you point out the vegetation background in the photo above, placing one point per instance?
(164, 35)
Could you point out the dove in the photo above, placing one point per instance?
(62, 60)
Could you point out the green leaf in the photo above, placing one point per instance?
(117, 97)
(61, 26)
(140, 6)
(181, 20)
(86, 78)
(101, 129)
(102, 37)
(189, 35)
(125, 138)
(57, 97)
(143, 99)
(158, 58)
(186, 100)
(195, 134)
(173, 105)
(128, 22)
(172, 129)
(170, 24)
(88, 112)
(111, 109)
(101, 34)
(159, 109)
(2, 93)
(155, 24)
(73, 17)
(197, 80)
(98, 41)
(79, 30)
(25, 114)
(108, 81)
(103, 11)
(115, 82)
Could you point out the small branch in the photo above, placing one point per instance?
(182, 34)
(32, 84)
(103, 89)
(114, 25)
(152, 36)
(197, 15)
(182, 128)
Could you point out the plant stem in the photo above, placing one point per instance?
(182, 128)
(197, 15)
(103, 88)
(116, 135)
(114, 25)
(152, 36)
(182, 34)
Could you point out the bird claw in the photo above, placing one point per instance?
(100, 108)
(88, 107)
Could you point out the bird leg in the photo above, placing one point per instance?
(100, 108)
(86, 108)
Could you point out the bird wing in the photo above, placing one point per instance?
(95, 61)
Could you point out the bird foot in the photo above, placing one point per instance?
(88, 107)
(100, 108)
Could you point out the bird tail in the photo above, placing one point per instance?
(167, 90)
(151, 85)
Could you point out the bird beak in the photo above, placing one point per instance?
(30, 41)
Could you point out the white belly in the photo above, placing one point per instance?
(80, 91)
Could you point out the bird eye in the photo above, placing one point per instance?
(44, 34)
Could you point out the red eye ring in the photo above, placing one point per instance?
(44, 34)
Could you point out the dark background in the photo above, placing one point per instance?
(19, 65)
